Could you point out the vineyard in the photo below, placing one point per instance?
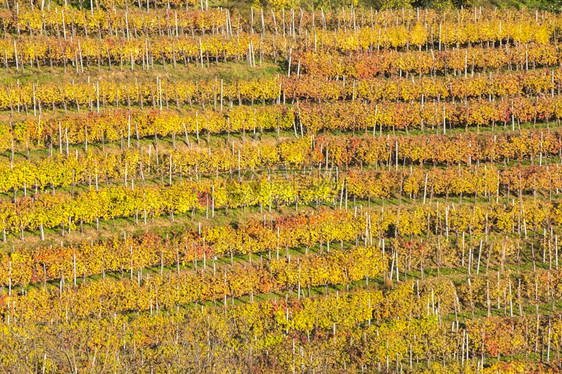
(190, 187)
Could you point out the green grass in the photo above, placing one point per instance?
(230, 71)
